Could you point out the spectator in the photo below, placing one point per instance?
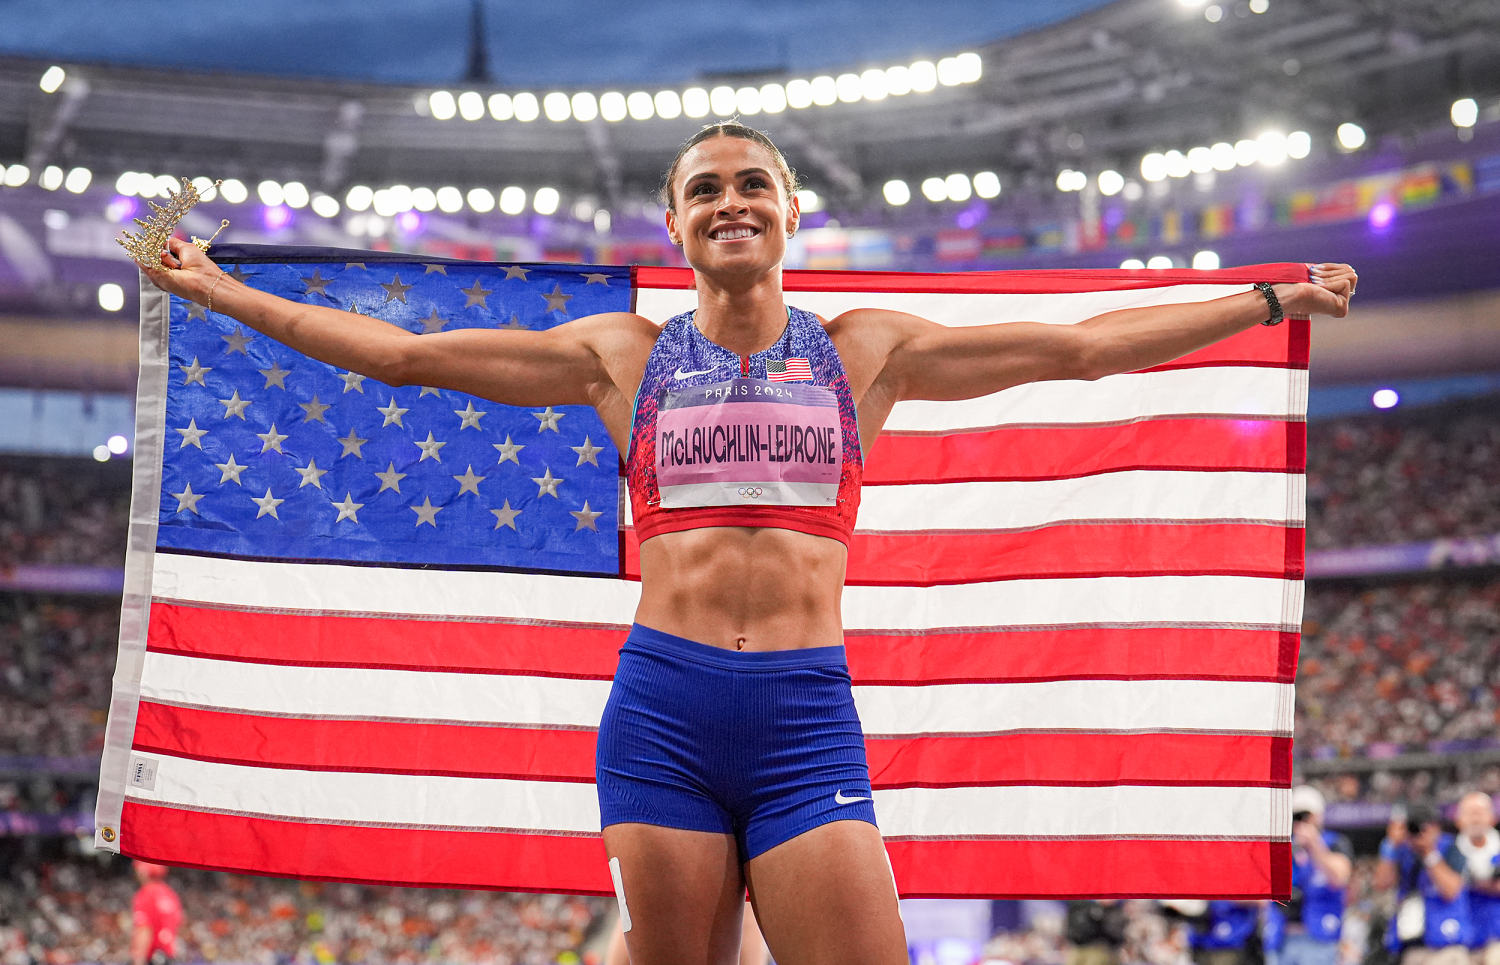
(156, 915)
(1479, 844)
(1432, 925)
(1307, 930)
(1096, 931)
(1227, 934)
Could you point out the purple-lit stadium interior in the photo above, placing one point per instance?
(950, 136)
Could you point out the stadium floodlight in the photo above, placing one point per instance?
(386, 203)
(556, 106)
(269, 192)
(52, 79)
(1154, 166)
(1200, 160)
(1222, 156)
(747, 100)
(232, 190)
(825, 90)
(640, 105)
(1385, 398)
(872, 84)
(1206, 260)
(935, 189)
(111, 297)
(545, 200)
(1298, 145)
(721, 99)
(799, 93)
(124, 184)
(1260, 6)
(848, 88)
(970, 67)
(52, 178)
(1070, 180)
(78, 180)
(987, 184)
(696, 102)
(583, 209)
(958, 186)
(612, 106)
(1132, 263)
(470, 105)
(18, 174)
(359, 197)
(896, 192)
(1191, 4)
(1159, 261)
(772, 98)
(325, 206)
(949, 73)
(601, 221)
(481, 200)
(1273, 148)
(1213, 13)
(923, 76)
(1177, 165)
(501, 108)
(450, 200)
(423, 199)
(1110, 182)
(898, 80)
(117, 444)
(202, 185)
(513, 200)
(1464, 112)
(1133, 191)
(525, 106)
(295, 195)
(442, 105)
(1246, 152)
(808, 200)
(101, 453)
(1351, 136)
(668, 104)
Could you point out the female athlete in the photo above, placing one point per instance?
(730, 755)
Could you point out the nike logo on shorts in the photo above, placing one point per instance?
(839, 797)
(680, 374)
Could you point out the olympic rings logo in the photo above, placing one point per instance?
(751, 492)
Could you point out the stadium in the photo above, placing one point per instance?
(1145, 143)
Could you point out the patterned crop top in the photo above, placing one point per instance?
(720, 439)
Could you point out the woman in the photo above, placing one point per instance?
(730, 755)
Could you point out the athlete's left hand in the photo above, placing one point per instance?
(1328, 292)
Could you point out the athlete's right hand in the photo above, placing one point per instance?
(185, 271)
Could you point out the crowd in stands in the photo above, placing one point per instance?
(64, 511)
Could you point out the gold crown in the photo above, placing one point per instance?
(146, 247)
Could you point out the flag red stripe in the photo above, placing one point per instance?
(456, 750)
(577, 864)
(592, 653)
(1080, 550)
(1067, 452)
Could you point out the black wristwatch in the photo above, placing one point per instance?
(1272, 302)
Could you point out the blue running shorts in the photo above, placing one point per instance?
(763, 745)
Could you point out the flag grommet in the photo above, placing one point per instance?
(108, 834)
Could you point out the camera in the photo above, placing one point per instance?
(1299, 816)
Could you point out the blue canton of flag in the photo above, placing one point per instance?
(271, 454)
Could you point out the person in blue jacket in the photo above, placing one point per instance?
(1432, 924)
(1226, 934)
(1306, 930)
(1479, 844)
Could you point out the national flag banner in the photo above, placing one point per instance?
(789, 370)
(368, 631)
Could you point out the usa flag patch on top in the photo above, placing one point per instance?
(792, 370)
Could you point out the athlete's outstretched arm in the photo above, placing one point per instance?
(558, 366)
(931, 361)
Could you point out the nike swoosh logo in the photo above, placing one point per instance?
(839, 797)
(680, 374)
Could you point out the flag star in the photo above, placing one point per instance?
(556, 300)
(238, 273)
(468, 482)
(548, 419)
(311, 474)
(595, 278)
(355, 264)
(395, 291)
(546, 484)
(428, 390)
(515, 322)
(192, 435)
(237, 341)
(508, 450)
(270, 439)
(505, 516)
(267, 504)
(351, 444)
(440, 269)
(197, 311)
(348, 508)
(585, 517)
(317, 284)
(426, 513)
(430, 447)
(314, 410)
(354, 308)
(516, 271)
(275, 375)
(470, 416)
(432, 323)
(588, 452)
(392, 413)
(195, 373)
(390, 479)
(235, 405)
(229, 470)
(187, 499)
(355, 381)
(477, 295)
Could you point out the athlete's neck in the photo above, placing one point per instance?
(744, 319)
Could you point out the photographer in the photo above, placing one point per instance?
(1479, 844)
(1226, 934)
(1306, 930)
(1432, 924)
(1096, 932)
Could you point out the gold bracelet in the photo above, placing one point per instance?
(210, 306)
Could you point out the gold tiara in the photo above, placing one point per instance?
(145, 247)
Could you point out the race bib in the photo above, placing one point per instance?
(748, 442)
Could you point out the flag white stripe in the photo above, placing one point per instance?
(1134, 496)
(356, 693)
(458, 802)
(313, 587)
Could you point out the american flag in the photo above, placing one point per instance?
(368, 632)
(791, 370)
